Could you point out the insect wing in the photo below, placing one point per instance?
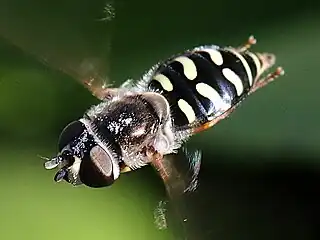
(70, 36)
(179, 173)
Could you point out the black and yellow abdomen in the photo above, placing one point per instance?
(203, 83)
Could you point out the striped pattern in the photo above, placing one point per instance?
(205, 82)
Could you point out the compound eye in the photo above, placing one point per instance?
(98, 170)
(72, 131)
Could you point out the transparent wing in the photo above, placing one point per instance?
(179, 173)
(71, 36)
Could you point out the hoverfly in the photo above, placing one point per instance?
(148, 121)
(140, 123)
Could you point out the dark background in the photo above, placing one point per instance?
(260, 173)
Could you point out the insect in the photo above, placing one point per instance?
(146, 121)
(142, 122)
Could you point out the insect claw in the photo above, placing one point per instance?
(280, 71)
(251, 41)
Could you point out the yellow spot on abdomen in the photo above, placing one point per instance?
(189, 68)
(244, 63)
(209, 92)
(164, 81)
(187, 110)
(215, 56)
(234, 79)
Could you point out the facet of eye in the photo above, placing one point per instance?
(101, 160)
(96, 169)
(69, 133)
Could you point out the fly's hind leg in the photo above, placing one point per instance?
(251, 41)
(263, 62)
(265, 80)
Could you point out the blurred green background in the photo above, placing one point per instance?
(260, 173)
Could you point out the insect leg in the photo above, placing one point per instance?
(251, 41)
(269, 78)
(100, 91)
(156, 161)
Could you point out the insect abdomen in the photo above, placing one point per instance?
(205, 82)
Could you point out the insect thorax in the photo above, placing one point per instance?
(133, 122)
